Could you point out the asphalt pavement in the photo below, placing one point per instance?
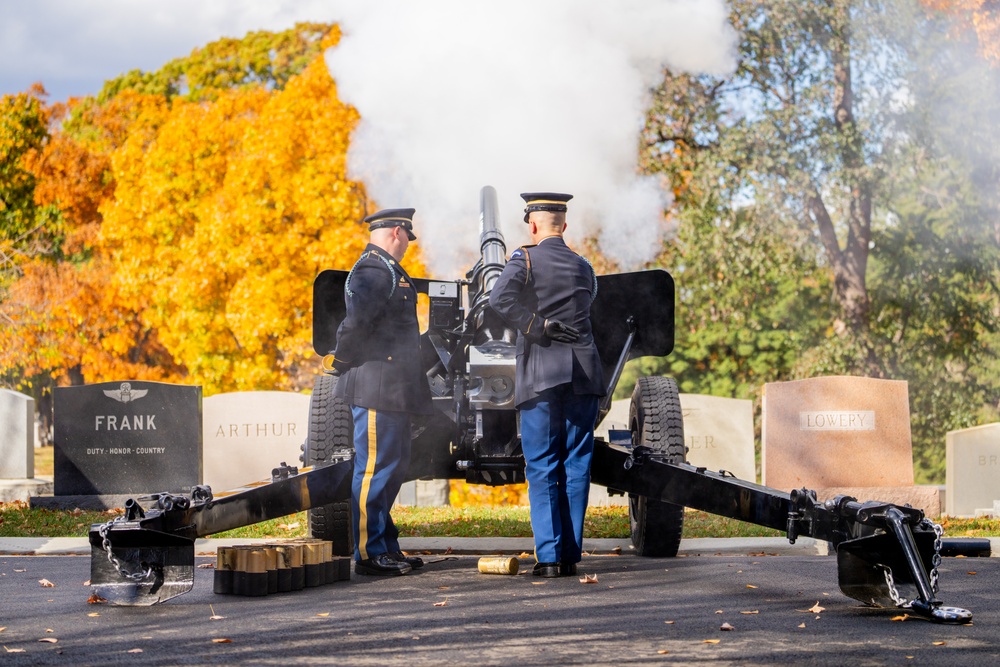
(755, 601)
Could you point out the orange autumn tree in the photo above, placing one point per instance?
(982, 16)
(195, 223)
(224, 213)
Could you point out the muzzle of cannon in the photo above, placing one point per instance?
(886, 555)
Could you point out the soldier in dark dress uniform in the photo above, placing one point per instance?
(378, 361)
(545, 292)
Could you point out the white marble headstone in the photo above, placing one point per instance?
(17, 441)
(248, 434)
(972, 459)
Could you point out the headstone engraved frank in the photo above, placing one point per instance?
(249, 433)
(836, 432)
(127, 438)
(972, 459)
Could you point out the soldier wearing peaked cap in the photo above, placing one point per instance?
(378, 363)
(545, 291)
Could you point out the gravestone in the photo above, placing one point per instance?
(972, 460)
(836, 431)
(17, 441)
(120, 440)
(248, 434)
(719, 434)
(842, 435)
(17, 448)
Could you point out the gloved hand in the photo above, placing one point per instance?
(559, 332)
(333, 366)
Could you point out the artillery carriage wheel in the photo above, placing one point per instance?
(330, 432)
(656, 422)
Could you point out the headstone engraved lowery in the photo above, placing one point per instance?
(124, 439)
(248, 434)
(841, 435)
(972, 460)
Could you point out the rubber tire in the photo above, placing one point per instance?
(331, 430)
(656, 421)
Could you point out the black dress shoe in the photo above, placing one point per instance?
(382, 565)
(415, 563)
(546, 570)
(567, 569)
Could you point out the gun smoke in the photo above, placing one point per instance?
(539, 96)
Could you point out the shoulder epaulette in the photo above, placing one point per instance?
(365, 255)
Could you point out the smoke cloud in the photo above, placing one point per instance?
(523, 96)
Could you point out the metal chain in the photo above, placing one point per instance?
(893, 591)
(933, 576)
(936, 558)
(137, 577)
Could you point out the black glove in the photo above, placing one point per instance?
(559, 332)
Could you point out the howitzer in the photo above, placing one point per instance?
(887, 555)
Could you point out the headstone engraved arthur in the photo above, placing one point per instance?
(718, 433)
(248, 433)
(127, 438)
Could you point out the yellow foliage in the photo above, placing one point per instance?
(462, 494)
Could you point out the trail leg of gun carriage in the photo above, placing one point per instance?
(887, 555)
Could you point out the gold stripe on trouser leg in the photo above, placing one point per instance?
(366, 483)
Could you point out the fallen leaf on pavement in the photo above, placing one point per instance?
(95, 599)
(87, 582)
(206, 566)
(13, 650)
(900, 618)
(663, 652)
(726, 626)
(616, 550)
(134, 650)
(589, 579)
(711, 641)
(48, 640)
(971, 572)
(524, 554)
(802, 625)
(815, 609)
(46, 583)
(750, 612)
(751, 586)
(222, 640)
(719, 611)
(442, 603)
(939, 643)
(324, 614)
(669, 622)
(93, 614)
